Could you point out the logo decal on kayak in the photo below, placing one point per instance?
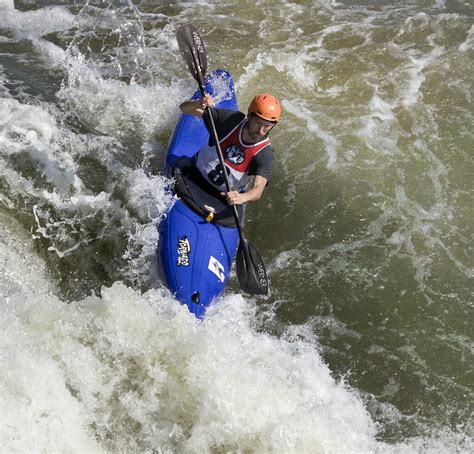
(216, 267)
(184, 248)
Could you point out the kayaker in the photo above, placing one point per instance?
(245, 145)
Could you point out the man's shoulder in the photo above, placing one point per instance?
(266, 151)
(226, 120)
(262, 162)
(229, 115)
(264, 156)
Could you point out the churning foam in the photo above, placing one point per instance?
(126, 371)
(129, 372)
(33, 24)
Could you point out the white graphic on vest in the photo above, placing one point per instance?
(217, 268)
(234, 154)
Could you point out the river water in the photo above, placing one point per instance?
(365, 341)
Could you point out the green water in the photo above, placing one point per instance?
(366, 226)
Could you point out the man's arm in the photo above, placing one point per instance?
(197, 106)
(252, 195)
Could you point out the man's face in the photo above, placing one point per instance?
(258, 128)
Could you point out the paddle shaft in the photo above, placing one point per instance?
(220, 156)
(251, 271)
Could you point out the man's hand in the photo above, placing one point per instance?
(197, 106)
(238, 198)
(234, 197)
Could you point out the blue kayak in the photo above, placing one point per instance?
(198, 237)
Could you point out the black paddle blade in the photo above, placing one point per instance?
(192, 48)
(251, 271)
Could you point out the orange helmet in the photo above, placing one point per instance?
(266, 106)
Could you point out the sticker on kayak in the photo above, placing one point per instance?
(216, 267)
(184, 248)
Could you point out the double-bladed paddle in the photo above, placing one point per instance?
(251, 271)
